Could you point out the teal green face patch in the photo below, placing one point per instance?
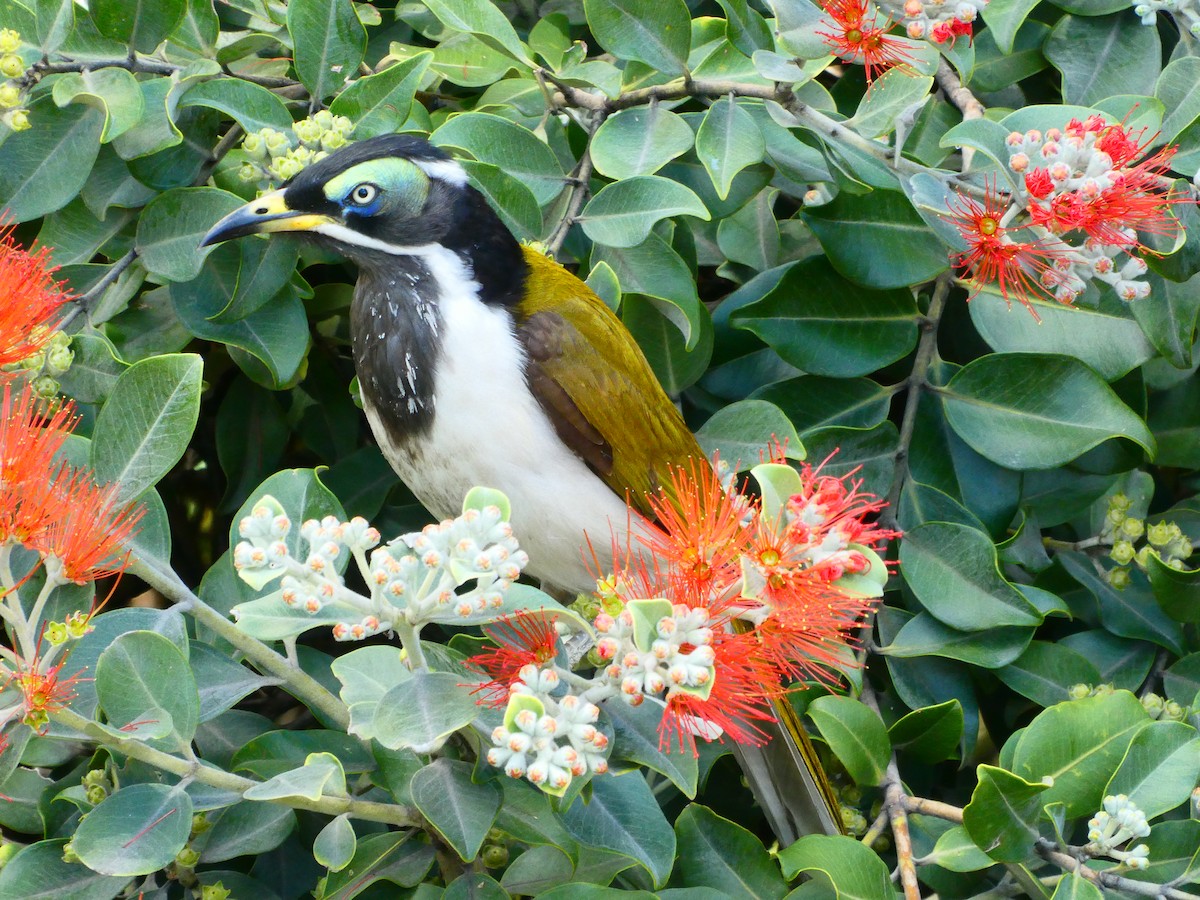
(394, 185)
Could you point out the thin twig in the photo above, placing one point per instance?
(968, 104)
(925, 807)
(895, 804)
(872, 834)
(367, 810)
(1050, 851)
(579, 189)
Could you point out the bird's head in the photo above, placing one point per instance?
(390, 195)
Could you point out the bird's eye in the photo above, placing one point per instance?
(363, 194)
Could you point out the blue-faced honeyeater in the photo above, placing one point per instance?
(481, 362)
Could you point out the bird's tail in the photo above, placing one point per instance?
(787, 779)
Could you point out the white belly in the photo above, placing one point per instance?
(489, 430)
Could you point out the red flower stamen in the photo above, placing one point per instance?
(525, 638)
(31, 300)
(857, 40)
(89, 528)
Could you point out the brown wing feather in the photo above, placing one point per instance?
(594, 383)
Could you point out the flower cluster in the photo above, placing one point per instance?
(12, 94)
(938, 21)
(1119, 821)
(414, 579)
(729, 598)
(855, 35)
(1080, 199)
(272, 157)
(1123, 531)
(30, 347)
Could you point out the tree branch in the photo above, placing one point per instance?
(1050, 852)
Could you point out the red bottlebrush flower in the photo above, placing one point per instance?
(744, 685)
(857, 40)
(30, 436)
(88, 528)
(994, 257)
(525, 638)
(31, 300)
(700, 536)
(1038, 184)
(44, 692)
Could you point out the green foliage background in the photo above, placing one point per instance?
(679, 157)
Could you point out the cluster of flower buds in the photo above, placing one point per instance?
(1163, 709)
(655, 649)
(1186, 13)
(938, 21)
(547, 739)
(1080, 198)
(272, 157)
(1119, 821)
(49, 363)
(1124, 531)
(12, 95)
(415, 578)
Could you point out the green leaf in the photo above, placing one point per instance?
(142, 671)
(636, 739)
(1178, 88)
(657, 34)
(878, 239)
(728, 141)
(277, 752)
(245, 829)
(1122, 663)
(466, 60)
(538, 869)
(270, 619)
(1079, 745)
(37, 872)
(996, 69)
(743, 430)
(1182, 680)
(1174, 852)
(380, 103)
(250, 105)
(44, 168)
(956, 852)
(329, 42)
(171, 226)
(1074, 886)
(1161, 768)
(719, 854)
(321, 775)
(674, 365)
(841, 866)
(1176, 590)
(639, 141)
(654, 269)
(954, 572)
(482, 19)
(142, 24)
(387, 857)
(135, 831)
(990, 648)
(797, 23)
(1036, 411)
(1003, 814)
(461, 811)
(621, 214)
(222, 681)
(624, 817)
(1046, 671)
(1130, 613)
(508, 146)
(115, 92)
(897, 91)
(856, 735)
(423, 710)
(929, 734)
(147, 423)
(812, 401)
(1112, 345)
(751, 235)
(824, 325)
(55, 22)
(1100, 56)
(335, 845)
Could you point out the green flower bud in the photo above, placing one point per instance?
(284, 167)
(342, 125)
(12, 66)
(254, 145)
(79, 624)
(1153, 704)
(1159, 534)
(18, 120)
(850, 794)
(56, 633)
(217, 891)
(276, 142)
(323, 119)
(1079, 691)
(333, 140)
(94, 776)
(249, 172)
(200, 823)
(1119, 501)
(10, 95)
(58, 360)
(1118, 578)
(10, 40)
(1122, 553)
(1133, 528)
(1143, 556)
(69, 854)
(855, 822)
(7, 851)
(96, 795)
(1102, 690)
(187, 858)
(302, 155)
(308, 132)
(1173, 712)
(495, 856)
(45, 387)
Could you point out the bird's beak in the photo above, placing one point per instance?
(269, 213)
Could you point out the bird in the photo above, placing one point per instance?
(484, 362)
